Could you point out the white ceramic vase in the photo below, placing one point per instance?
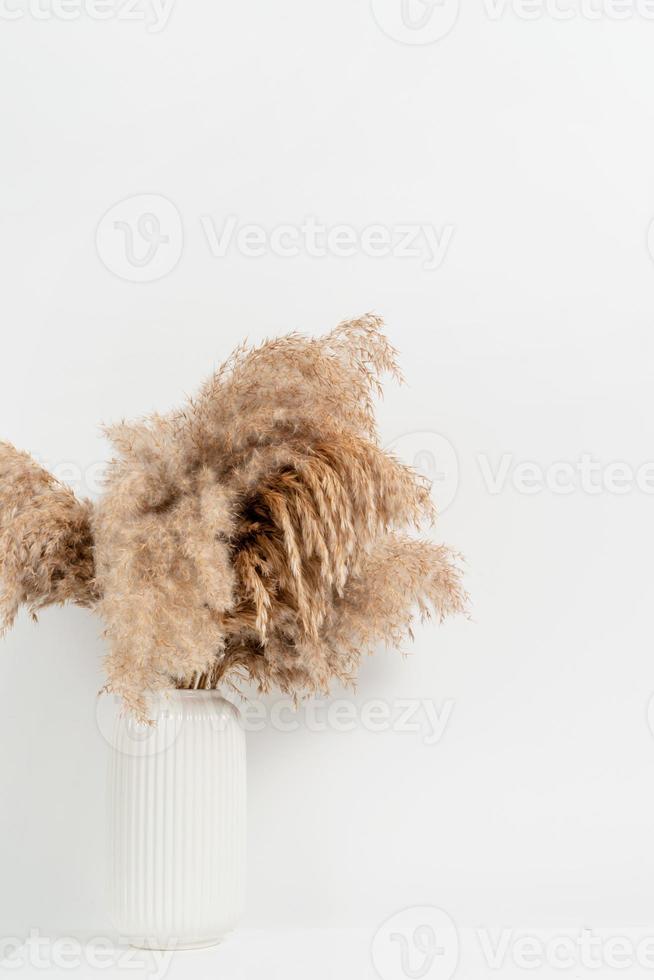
(177, 822)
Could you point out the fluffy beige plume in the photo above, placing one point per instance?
(46, 547)
(260, 532)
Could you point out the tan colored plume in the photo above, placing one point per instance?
(260, 532)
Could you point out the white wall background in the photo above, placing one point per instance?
(532, 141)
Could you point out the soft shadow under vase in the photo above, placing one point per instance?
(177, 822)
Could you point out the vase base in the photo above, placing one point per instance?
(173, 946)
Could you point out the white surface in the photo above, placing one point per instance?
(338, 954)
(178, 822)
(531, 343)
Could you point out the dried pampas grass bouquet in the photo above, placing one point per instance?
(260, 532)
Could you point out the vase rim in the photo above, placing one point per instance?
(185, 692)
(158, 700)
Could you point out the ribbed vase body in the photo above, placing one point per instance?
(177, 818)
